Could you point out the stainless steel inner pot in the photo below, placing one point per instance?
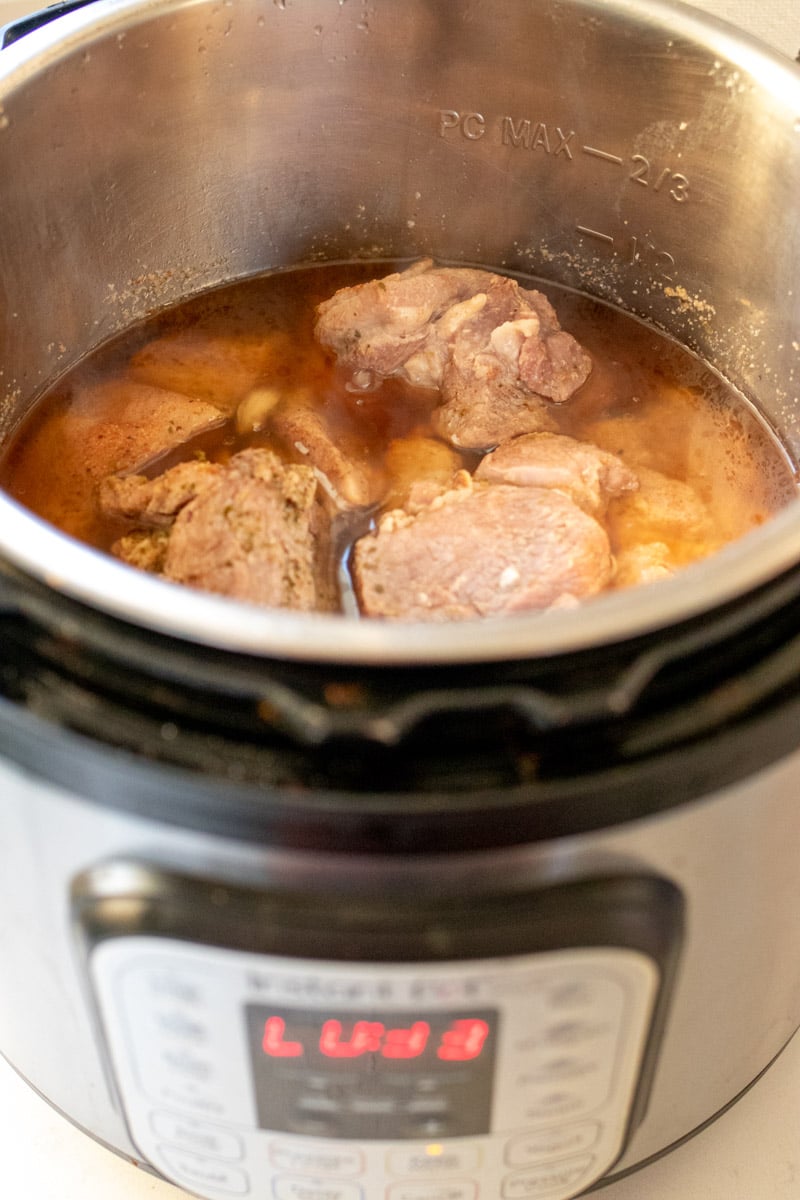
(632, 149)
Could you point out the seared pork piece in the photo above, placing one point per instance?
(377, 326)
(254, 529)
(478, 550)
(156, 501)
(144, 548)
(108, 427)
(121, 425)
(493, 348)
(509, 362)
(348, 482)
(218, 366)
(588, 475)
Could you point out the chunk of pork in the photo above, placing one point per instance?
(253, 529)
(478, 550)
(588, 475)
(494, 349)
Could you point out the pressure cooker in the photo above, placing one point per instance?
(325, 909)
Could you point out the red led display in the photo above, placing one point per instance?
(364, 1072)
(462, 1041)
(273, 1043)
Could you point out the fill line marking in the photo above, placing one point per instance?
(612, 158)
(603, 237)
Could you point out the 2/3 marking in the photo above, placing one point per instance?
(645, 174)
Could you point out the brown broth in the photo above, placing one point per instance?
(647, 400)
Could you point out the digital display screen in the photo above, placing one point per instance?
(372, 1075)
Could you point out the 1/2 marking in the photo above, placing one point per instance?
(635, 251)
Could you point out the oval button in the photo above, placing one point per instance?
(287, 1187)
(196, 1135)
(431, 1189)
(532, 1148)
(434, 1160)
(560, 1177)
(185, 1167)
(323, 1160)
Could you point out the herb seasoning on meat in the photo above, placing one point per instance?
(427, 444)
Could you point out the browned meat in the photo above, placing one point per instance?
(478, 550)
(494, 349)
(377, 326)
(347, 481)
(121, 425)
(588, 475)
(508, 364)
(144, 548)
(217, 365)
(254, 530)
(155, 502)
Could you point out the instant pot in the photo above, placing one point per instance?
(320, 909)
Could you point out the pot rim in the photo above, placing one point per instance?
(75, 570)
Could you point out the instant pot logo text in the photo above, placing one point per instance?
(318, 989)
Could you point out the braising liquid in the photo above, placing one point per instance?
(248, 346)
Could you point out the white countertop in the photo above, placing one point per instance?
(751, 1153)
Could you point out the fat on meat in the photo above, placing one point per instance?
(494, 349)
(479, 550)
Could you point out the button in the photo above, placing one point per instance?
(563, 1067)
(378, 1106)
(567, 1033)
(451, 1189)
(541, 1181)
(434, 1160)
(322, 1161)
(428, 1105)
(177, 1024)
(532, 1148)
(174, 986)
(424, 1127)
(287, 1187)
(547, 1104)
(187, 1064)
(185, 1167)
(313, 1126)
(318, 1104)
(572, 992)
(206, 1105)
(196, 1135)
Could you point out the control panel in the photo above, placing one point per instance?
(266, 1075)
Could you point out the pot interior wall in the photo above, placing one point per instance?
(150, 152)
